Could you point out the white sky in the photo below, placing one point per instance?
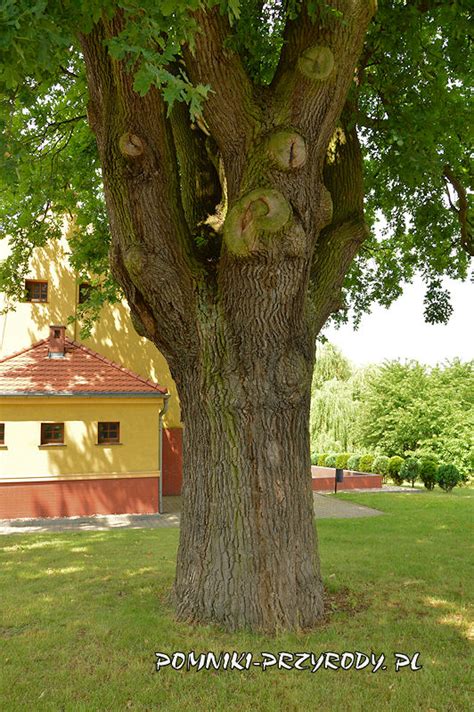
(401, 332)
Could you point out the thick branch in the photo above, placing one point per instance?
(201, 189)
(230, 110)
(317, 65)
(467, 238)
(340, 241)
(151, 243)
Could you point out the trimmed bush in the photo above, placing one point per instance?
(410, 470)
(331, 460)
(394, 467)
(365, 463)
(380, 466)
(428, 472)
(448, 476)
(322, 460)
(353, 462)
(314, 458)
(342, 460)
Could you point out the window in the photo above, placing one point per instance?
(2, 433)
(108, 433)
(36, 291)
(52, 433)
(85, 290)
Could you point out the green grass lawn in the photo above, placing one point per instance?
(82, 615)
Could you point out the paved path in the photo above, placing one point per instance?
(330, 507)
(325, 507)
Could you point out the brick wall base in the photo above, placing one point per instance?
(79, 498)
(323, 480)
(172, 461)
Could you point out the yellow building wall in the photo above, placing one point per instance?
(113, 336)
(23, 459)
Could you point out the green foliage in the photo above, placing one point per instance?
(322, 460)
(353, 462)
(366, 463)
(412, 408)
(330, 460)
(330, 364)
(428, 472)
(410, 470)
(411, 103)
(448, 476)
(342, 459)
(332, 400)
(413, 72)
(314, 458)
(381, 464)
(394, 467)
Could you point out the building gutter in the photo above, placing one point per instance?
(161, 414)
(83, 394)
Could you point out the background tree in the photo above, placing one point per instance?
(394, 414)
(333, 406)
(415, 410)
(231, 139)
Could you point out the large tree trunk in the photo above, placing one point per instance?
(247, 554)
(231, 251)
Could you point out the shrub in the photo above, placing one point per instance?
(410, 470)
(428, 472)
(342, 460)
(353, 462)
(331, 460)
(448, 476)
(365, 463)
(314, 458)
(394, 467)
(380, 465)
(322, 459)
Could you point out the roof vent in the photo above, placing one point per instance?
(57, 342)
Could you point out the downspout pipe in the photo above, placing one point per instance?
(161, 414)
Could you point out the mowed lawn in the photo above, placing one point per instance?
(82, 615)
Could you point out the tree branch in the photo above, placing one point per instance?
(462, 211)
(151, 243)
(340, 241)
(201, 187)
(317, 64)
(230, 110)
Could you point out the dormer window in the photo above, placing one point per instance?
(36, 290)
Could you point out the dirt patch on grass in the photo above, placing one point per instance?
(343, 601)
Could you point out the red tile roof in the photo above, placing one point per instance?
(80, 372)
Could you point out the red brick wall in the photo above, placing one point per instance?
(79, 498)
(172, 461)
(323, 480)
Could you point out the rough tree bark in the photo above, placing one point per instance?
(231, 256)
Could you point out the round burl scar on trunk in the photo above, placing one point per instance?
(130, 145)
(316, 63)
(261, 210)
(287, 149)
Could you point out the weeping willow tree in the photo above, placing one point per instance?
(332, 414)
(333, 403)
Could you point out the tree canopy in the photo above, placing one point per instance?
(409, 104)
(394, 408)
(410, 409)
